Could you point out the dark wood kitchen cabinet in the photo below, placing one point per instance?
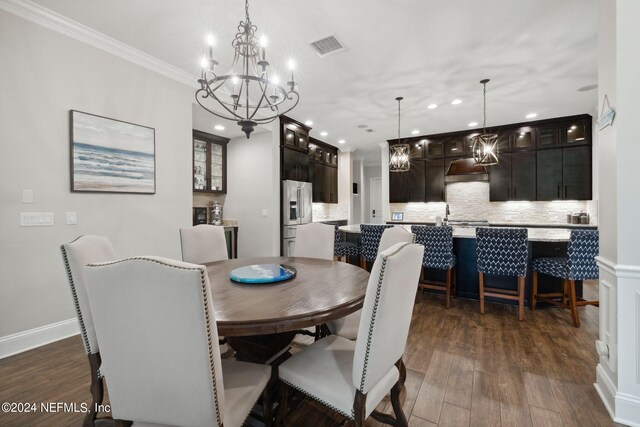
(434, 180)
(398, 187)
(415, 183)
(514, 177)
(323, 171)
(564, 173)
(295, 165)
(209, 163)
(294, 149)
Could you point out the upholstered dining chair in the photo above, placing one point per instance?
(344, 249)
(353, 377)
(77, 254)
(156, 326)
(503, 252)
(438, 255)
(203, 243)
(315, 240)
(370, 235)
(347, 327)
(579, 264)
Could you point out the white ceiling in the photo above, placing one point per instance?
(537, 53)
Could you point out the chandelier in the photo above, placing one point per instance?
(485, 145)
(248, 94)
(399, 153)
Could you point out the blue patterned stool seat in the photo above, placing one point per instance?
(503, 252)
(579, 264)
(438, 255)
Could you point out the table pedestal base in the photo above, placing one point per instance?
(260, 348)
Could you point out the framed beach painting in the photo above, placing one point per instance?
(111, 156)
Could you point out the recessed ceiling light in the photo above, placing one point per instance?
(324, 133)
(342, 141)
(415, 132)
(531, 115)
(432, 106)
(472, 124)
(219, 127)
(456, 101)
(309, 123)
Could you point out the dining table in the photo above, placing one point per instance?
(259, 320)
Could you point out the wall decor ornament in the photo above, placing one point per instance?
(111, 156)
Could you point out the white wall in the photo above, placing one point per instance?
(368, 173)
(343, 209)
(357, 198)
(44, 75)
(252, 189)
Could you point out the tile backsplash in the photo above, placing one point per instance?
(329, 211)
(470, 200)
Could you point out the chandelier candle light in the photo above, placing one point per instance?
(248, 94)
(399, 153)
(485, 145)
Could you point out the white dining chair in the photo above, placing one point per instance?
(77, 254)
(315, 240)
(347, 327)
(353, 377)
(203, 243)
(156, 326)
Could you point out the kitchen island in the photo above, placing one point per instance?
(543, 242)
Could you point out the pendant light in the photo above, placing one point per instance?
(485, 145)
(399, 153)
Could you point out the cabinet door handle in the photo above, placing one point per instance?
(442, 194)
(558, 191)
(565, 191)
(515, 192)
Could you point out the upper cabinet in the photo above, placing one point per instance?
(209, 163)
(323, 171)
(294, 143)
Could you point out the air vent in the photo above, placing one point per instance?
(327, 45)
(370, 130)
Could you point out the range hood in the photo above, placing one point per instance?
(466, 170)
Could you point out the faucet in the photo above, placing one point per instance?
(446, 216)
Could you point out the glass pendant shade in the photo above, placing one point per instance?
(399, 158)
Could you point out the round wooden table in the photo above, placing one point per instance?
(322, 290)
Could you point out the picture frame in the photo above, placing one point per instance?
(111, 156)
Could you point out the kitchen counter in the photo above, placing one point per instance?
(469, 232)
(511, 224)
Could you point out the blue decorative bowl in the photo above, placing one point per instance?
(262, 273)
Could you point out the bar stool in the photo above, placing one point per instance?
(504, 252)
(344, 249)
(370, 235)
(580, 264)
(438, 255)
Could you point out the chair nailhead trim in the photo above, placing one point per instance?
(83, 329)
(373, 316)
(324, 402)
(207, 316)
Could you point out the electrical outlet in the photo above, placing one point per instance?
(28, 196)
(72, 218)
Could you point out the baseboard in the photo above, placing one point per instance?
(627, 410)
(606, 390)
(26, 340)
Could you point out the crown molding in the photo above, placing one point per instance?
(54, 21)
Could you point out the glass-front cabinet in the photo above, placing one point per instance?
(209, 163)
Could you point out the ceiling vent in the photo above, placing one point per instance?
(327, 45)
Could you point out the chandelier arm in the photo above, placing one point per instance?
(234, 116)
(258, 105)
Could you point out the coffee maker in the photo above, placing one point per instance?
(216, 213)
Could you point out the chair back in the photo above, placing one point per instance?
(438, 245)
(203, 243)
(159, 343)
(386, 314)
(394, 235)
(82, 251)
(502, 251)
(315, 240)
(582, 249)
(370, 235)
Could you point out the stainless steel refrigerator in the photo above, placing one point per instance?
(296, 210)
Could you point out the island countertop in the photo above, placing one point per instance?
(469, 232)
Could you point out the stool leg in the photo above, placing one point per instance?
(481, 289)
(453, 282)
(534, 291)
(448, 289)
(565, 293)
(521, 298)
(573, 303)
(363, 263)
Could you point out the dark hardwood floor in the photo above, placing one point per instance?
(463, 368)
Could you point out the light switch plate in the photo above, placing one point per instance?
(36, 219)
